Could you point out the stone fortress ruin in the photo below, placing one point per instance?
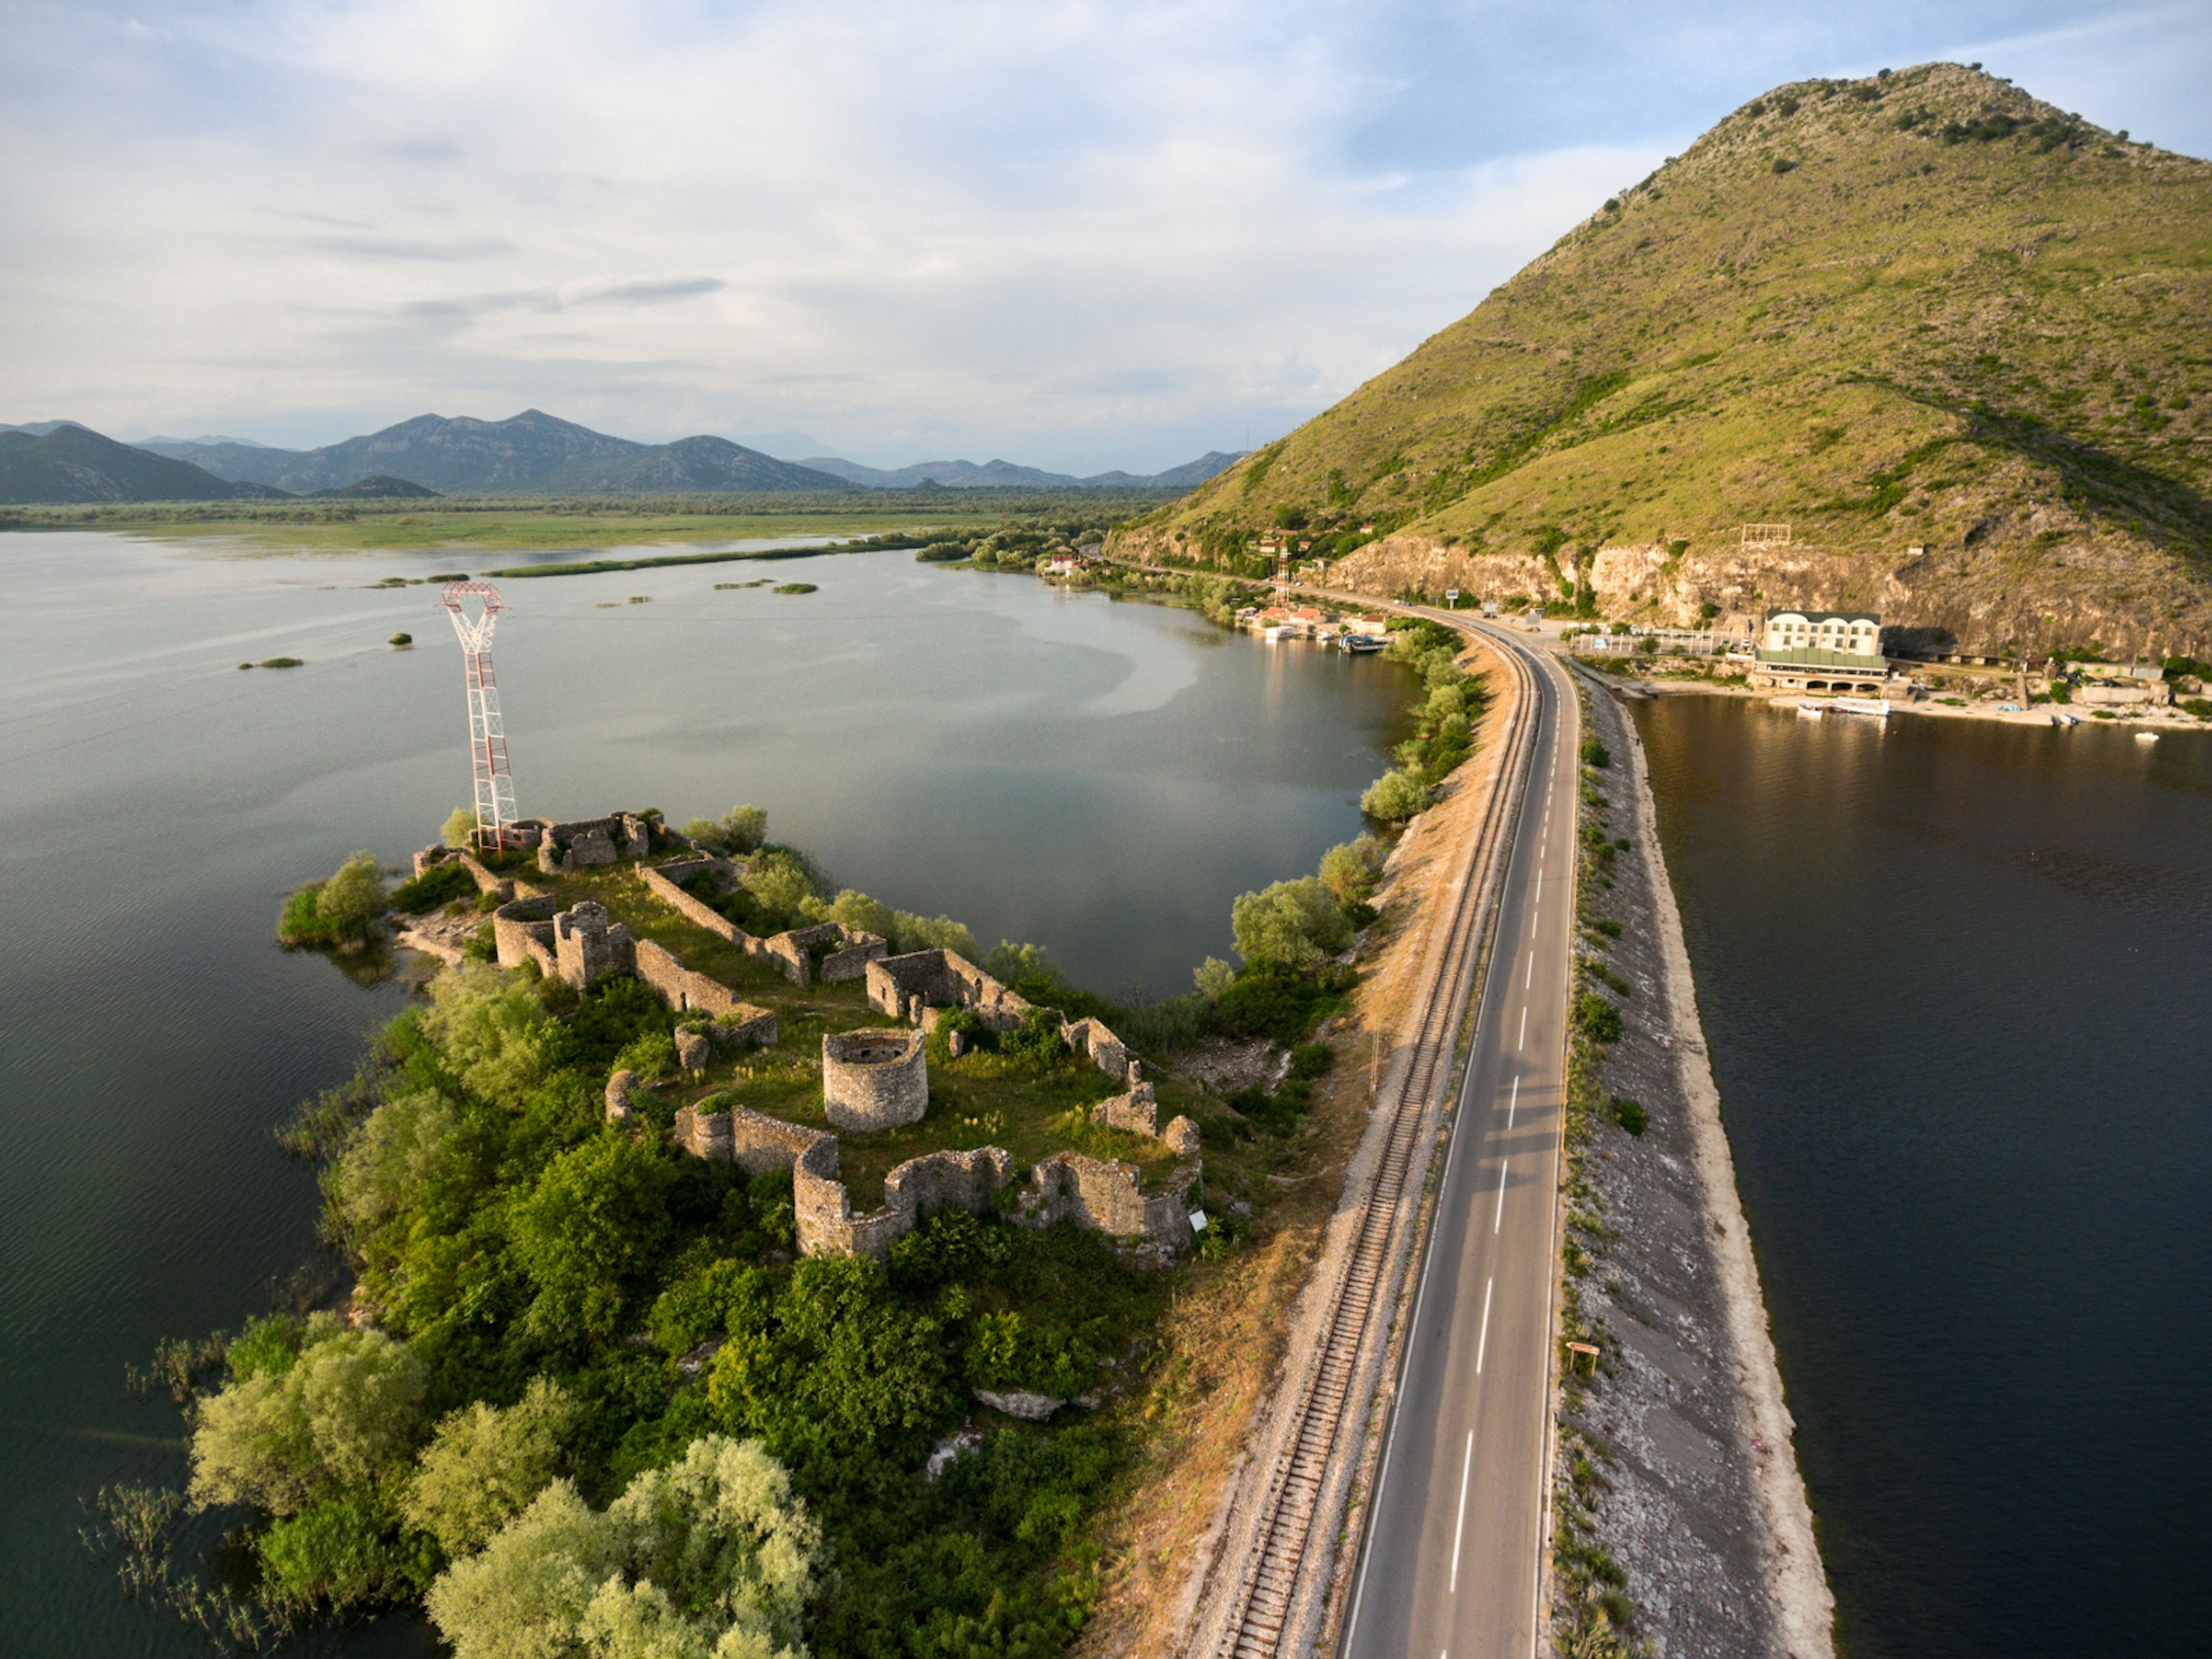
(873, 1078)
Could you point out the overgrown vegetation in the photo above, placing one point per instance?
(340, 914)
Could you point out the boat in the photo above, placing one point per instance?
(1362, 642)
(1273, 635)
(1810, 711)
(2146, 737)
(1873, 708)
(2066, 720)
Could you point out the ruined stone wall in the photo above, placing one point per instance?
(587, 946)
(1090, 1038)
(687, 991)
(788, 952)
(874, 1078)
(587, 843)
(619, 1085)
(1138, 1113)
(910, 987)
(759, 1144)
(827, 1225)
(662, 884)
(523, 932)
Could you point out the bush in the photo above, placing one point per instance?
(341, 911)
(1351, 869)
(1290, 924)
(441, 883)
(1271, 1002)
(1395, 797)
(593, 1222)
(1597, 1019)
(1596, 753)
(485, 1465)
(700, 1304)
(347, 1410)
(340, 1554)
(459, 828)
(1630, 1115)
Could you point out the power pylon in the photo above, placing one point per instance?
(495, 813)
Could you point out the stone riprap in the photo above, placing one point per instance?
(874, 1078)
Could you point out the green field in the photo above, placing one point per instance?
(550, 522)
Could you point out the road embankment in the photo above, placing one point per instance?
(1682, 1440)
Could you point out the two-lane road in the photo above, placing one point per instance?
(1450, 1565)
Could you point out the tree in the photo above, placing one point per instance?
(460, 828)
(406, 1145)
(353, 899)
(1291, 924)
(713, 1557)
(835, 1370)
(345, 1412)
(485, 1465)
(1395, 797)
(595, 1220)
(490, 1030)
(745, 828)
(1350, 869)
(1214, 976)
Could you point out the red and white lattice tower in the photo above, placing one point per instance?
(495, 813)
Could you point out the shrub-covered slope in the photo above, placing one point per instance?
(1923, 310)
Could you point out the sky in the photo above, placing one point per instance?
(1075, 235)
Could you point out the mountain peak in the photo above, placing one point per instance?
(1919, 311)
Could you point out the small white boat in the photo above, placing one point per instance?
(1362, 642)
(1810, 711)
(2066, 720)
(2146, 737)
(1873, 708)
(1273, 635)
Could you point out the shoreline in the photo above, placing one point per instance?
(2039, 716)
(1804, 1606)
(1700, 1501)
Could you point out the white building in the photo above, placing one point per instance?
(1820, 651)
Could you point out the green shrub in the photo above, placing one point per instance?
(437, 885)
(700, 1304)
(1311, 1059)
(1630, 1115)
(1596, 753)
(459, 828)
(1596, 1018)
(341, 1554)
(1395, 797)
(1296, 925)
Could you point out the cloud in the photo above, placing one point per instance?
(1082, 236)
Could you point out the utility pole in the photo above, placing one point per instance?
(495, 785)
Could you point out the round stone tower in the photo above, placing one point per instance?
(877, 1078)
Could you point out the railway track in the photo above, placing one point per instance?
(1264, 1593)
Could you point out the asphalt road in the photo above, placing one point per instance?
(1456, 1529)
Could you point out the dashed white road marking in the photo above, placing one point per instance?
(1497, 1220)
(1482, 1347)
(1459, 1527)
(1513, 1104)
(1524, 1043)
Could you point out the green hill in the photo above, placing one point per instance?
(71, 463)
(1959, 341)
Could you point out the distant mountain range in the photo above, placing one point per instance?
(1005, 475)
(62, 461)
(531, 453)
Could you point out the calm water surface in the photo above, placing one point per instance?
(1954, 977)
(1101, 779)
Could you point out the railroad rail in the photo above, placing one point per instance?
(1263, 1595)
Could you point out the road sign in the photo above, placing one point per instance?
(1451, 598)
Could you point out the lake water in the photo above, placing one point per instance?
(1954, 979)
(1101, 778)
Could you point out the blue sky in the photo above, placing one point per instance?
(1080, 236)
